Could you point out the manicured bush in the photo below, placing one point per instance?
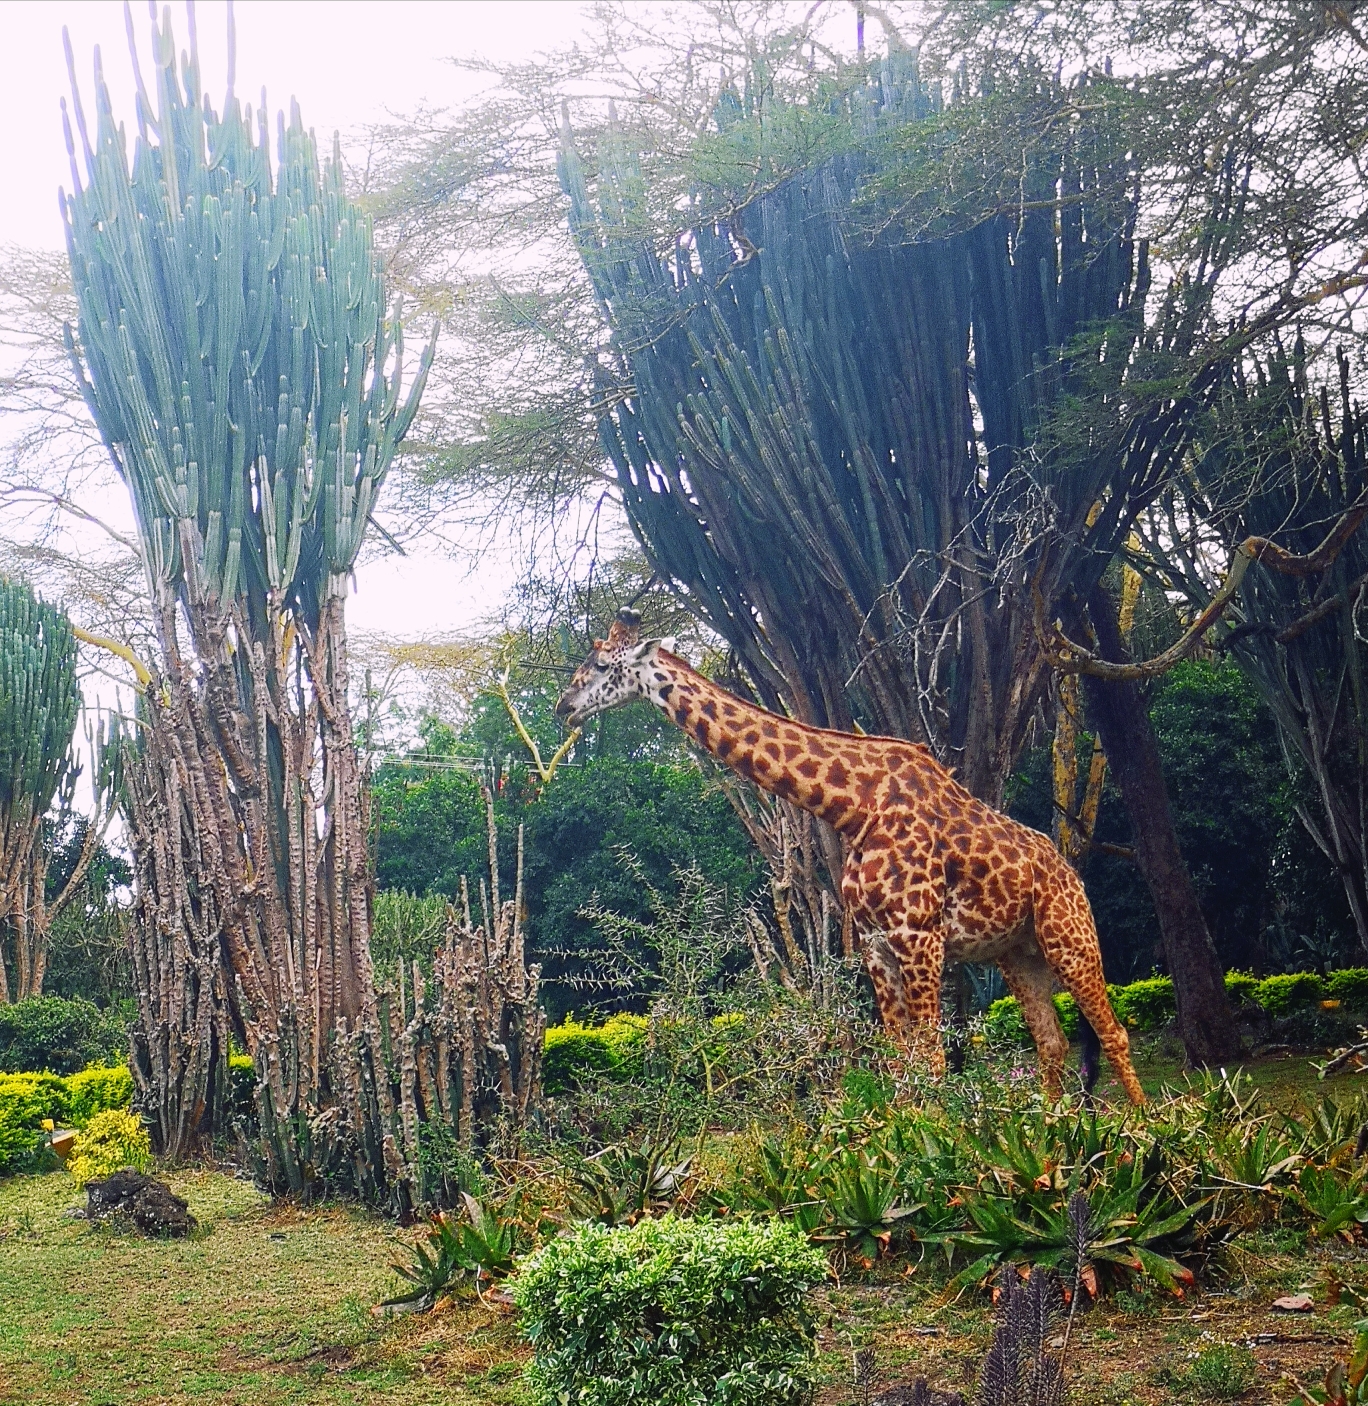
(1288, 991)
(111, 1140)
(1241, 987)
(1145, 1005)
(1150, 1004)
(26, 1100)
(1349, 987)
(95, 1091)
(576, 1052)
(671, 1312)
(58, 1035)
(1004, 1023)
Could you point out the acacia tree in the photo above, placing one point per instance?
(238, 353)
(39, 701)
(1278, 478)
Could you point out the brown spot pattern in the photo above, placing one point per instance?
(932, 873)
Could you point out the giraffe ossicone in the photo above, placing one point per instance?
(931, 873)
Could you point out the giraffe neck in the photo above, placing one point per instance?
(813, 768)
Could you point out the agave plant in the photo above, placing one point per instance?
(858, 1198)
(459, 1254)
(621, 1185)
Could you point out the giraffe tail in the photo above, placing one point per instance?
(1091, 1065)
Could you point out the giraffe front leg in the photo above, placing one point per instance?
(921, 956)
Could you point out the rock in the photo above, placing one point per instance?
(1295, 1303)
(149, 1204)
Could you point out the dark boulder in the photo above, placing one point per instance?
(145, 1202)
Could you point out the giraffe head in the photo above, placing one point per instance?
(617, 670)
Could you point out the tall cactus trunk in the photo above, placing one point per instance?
(261, 753)
(238, 353)
(39, 701)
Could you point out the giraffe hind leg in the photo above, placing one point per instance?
(1031, 981)
(1068, 942)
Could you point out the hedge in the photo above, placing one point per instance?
(1149, 1004)
(59, 1036)
(28, 1100)
(574, 1051)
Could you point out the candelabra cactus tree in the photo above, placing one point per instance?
(39, 701)
(240, 357)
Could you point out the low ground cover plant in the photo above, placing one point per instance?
(981, 1174)
(671, 1311)
(458, 1253)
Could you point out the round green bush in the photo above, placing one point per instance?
(97, 1090)
(1349, 987)
(1289, 991)
(671, 1312)
(58, 1035)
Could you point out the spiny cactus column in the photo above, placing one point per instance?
(239, 356)
(39, 701)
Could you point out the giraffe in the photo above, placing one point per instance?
(931, 872)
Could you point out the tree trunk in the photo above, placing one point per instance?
(178, 1048)
(1205, 1021)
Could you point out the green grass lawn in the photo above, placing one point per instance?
(264, 1303)
(268, 1303)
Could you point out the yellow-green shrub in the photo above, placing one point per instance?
(1350, 987)
(1241, 986)
(1144, 1005)
(95, 1091)
(1150, 1004)
(1287, 991)
(111, 1140)
(574, 1051)
(25, 1101)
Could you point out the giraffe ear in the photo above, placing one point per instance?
(669, 644)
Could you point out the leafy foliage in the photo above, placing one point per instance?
(1150, 1004)
(26, 1101)
(58, 1035)
(622, 1184)
(990, 1177)
(1264, 887)
(459, 1254)
(670, 1312)
(576, 1053)
(111, 1140)
(430, 829)
(95, 1090)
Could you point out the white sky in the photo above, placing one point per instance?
(349, 63)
